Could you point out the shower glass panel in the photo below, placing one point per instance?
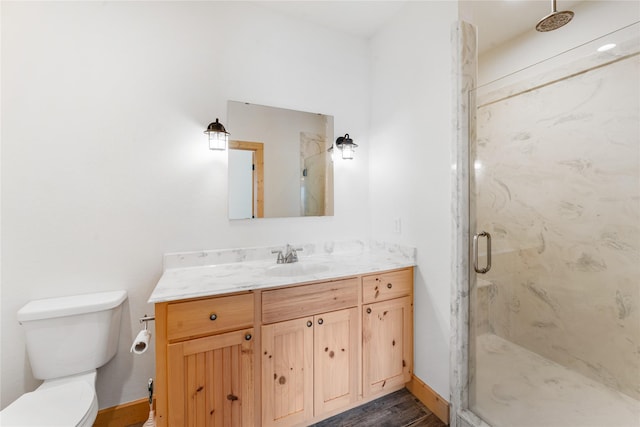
(554, 333)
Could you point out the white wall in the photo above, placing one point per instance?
(105, 166)
(593, 19)
(410, 170)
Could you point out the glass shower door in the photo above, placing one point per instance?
(555, 208)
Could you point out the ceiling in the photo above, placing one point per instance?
(497, 20)
(360, 18)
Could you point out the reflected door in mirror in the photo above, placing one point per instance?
(246, 178)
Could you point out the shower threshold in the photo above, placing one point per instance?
(515, 387)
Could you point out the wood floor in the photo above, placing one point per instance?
(399, 409)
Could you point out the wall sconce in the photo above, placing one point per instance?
(218, 136)
(346, 145)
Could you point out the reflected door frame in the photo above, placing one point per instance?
(258, 173)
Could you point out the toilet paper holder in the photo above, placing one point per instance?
(141, 341)
(146, 319)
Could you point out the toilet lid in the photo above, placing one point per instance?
(60, 405)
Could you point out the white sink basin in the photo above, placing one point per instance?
(296, 269)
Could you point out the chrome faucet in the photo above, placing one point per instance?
(290, 256)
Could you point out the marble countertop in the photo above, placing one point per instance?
(191, 275)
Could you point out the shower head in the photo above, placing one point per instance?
(555, 19)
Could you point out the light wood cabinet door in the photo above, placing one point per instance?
(287, 372)
(387, 346)
(211, 381)
(309, 367)
(335, 360)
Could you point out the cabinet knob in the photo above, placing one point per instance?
(232, 397)
(247, 337)
(309, 323)
(320, 321)
(389, 286)
(369, 310)
(213, 316)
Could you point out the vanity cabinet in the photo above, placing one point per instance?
(387, 331)
(285, 356)
(309, 364)
(206, 362)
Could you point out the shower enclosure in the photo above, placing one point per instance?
(553, 333)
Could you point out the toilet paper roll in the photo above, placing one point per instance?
(141, 343)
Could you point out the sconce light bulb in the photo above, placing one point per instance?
(347, 152)
(217, 141)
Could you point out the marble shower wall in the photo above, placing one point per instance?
(558, 178)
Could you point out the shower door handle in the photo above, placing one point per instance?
(475, 252)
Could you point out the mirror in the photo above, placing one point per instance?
(279, 165)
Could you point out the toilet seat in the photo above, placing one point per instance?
(70, 404)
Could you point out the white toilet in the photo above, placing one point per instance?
(67, 338)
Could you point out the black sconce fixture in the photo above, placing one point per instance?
(346, 145)
(218, 136)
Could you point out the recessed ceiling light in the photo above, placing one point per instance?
(606, 47)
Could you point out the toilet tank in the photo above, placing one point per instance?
(73, 334)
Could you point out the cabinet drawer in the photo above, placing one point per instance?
(207, 316)
(307, 300)
(387, 285)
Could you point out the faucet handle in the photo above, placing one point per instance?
(280, 259)
(294, 254)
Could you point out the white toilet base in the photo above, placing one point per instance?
(68, 401)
